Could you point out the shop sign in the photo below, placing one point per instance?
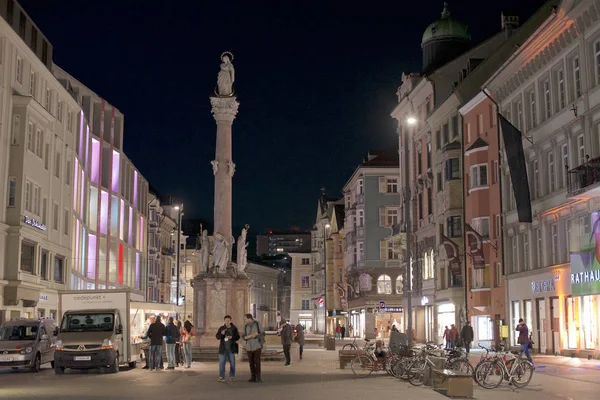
(382, 304)
(424, 300)
(545, 285)
(43, 297)
(475, 246)
(394, 309)
(452, 255)
(305, 315)
(585, 264)
(34, 223)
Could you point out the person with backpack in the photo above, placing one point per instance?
(188, 333)
(171, 338)
(255, 339)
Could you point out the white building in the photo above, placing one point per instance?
(37, 142)
(263, 294)
(550, 90)
(302, 308)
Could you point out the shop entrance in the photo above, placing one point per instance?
(446, 317)
(555, 324)
(541, 325)
(307, 324)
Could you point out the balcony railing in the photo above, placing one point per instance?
(584, 177)
(166, 251)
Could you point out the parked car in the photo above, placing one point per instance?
(27, 343)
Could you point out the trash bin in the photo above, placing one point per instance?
(330, 342)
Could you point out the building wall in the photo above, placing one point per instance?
(282, 242)
(263, 294)
(302, 305)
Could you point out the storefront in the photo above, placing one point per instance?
(386, 319)
(335, 319)
(47, 305)
(446, 317)
(306, 320)
(541, 299)
(356, 327)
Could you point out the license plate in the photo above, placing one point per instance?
(83, 358)
(6, 359)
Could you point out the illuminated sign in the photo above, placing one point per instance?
(544, 285)
(585, 263)
(424, 300)
(34, 223)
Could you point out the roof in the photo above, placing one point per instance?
(478, 144)
(446, 28)
(382, 158)
(452, 146)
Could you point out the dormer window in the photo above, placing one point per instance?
(434, 29)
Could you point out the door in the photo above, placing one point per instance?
(555, 325)
(43, 345)
(541, 326)
(123, 354)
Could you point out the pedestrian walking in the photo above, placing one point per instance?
(171, 338)
(228, 336)
(351, 330)
(178, 352)
(523, 339)
(286, 340)
(338, 331)
(188, 333)
(467, 336)
(254, 338)
(453, 336)
(343, 331)
(146, 340)
(446, 337)
(300, 338)
(156, 333)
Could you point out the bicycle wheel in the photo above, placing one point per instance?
(349, 346)
(461, 365)
(489, 374)
(417, 373)
(401, 368)
(522, 374)
(390, 362)
(362, 366)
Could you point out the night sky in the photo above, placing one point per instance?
(316, 81)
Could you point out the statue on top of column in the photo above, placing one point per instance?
(226, 76)
(204, 252)
(242, 252)
(221, 253)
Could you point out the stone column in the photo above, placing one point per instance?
(224, 110)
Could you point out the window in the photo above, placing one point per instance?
(551, 173)
(565, 164)
(429, 201)
(420, 205)
(537, 190)
(59, 110)
(58, 269)
(498, 226)
(479, 124)
(468, 132)
(515, 265)
(452, 169)
(30, 136)
(305, 282)
(538, 247)
(22, 24)
(57, 166)
(479, 177)
(34, 35)
(306, 261)
(38, 142)
(498, 275)
(66, 222)
(12, 191)
(561, 89)
(306, 304)
(547, 99)
(532, 110)
(45, 52)
(48, 98)
(419, 162)
(19, 71)
(10, 10)
(438, 140)
(428, 156)
(36, 200)
(440, 184)
(454, 126)
(400, 284)
(27, 196)
(32, 84)
(581, 151)
(27, 257)
(386, 250)
(68, 173)
(481, 225)
(554, 241)
(47, 156)
(44, 210)
(384, 285)
(388, 216)
(15, 130)
(519, 115)
(576, 77)
(446, 133)
(69, 121)
(525, 251)
(55, 217)
(44, 265)
(495, 172)
(454, 226)
(392, 185)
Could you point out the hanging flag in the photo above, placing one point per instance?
(452, 255)
(513, 144)
(475, 247)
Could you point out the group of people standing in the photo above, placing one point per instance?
(173, 334)
(454, 339)
(228, 336)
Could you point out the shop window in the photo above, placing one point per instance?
(484, 328)
(572, 327)
(587, 321)
(27, 255)
(528, 311)
(384, 285)
(516, 315)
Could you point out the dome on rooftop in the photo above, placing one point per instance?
(446, 28)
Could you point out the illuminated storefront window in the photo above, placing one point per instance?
(114, 215)
(95, 160)
(91, 258)
(104, 212)
(588, 321)
(122, 221)
(528, 314)
(93, 210)
(516, 315)
(571, 323)
(116, 171)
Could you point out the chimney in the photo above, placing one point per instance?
(509, 23)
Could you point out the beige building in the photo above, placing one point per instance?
(263, 294)
(302, 308)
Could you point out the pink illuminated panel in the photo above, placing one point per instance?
(75, 184)
(104, 212)
(137, 270)
(82, 194)
(81, 135)
(130, 235)
(140, 244)
(83, 249)
(87, 148)
(91, 269)
(122, 221)
(95, 160)
(77, 265)
(135, 188)
(116, 171)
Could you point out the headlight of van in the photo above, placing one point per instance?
(106, 344)
(59, 345)
(27, 350)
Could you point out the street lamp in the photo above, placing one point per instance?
(325, 227)
(411, 121)
(179, 210)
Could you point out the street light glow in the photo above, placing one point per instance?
(176, 207)
(327, 226)
(411, 120)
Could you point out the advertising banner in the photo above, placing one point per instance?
(585, 264)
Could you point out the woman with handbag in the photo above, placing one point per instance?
(188, 333)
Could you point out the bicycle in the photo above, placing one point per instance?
(353, 345)
(365, 364)
(516, 371)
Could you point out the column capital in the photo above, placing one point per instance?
(224, 108)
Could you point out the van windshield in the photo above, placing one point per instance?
(101, 322)
(19, 332)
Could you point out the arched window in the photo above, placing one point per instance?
(384, 285)
(400, 284)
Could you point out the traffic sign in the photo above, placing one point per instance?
(321, 300)
(382, 304)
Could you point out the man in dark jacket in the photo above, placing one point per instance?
(172, 336)
(287, 336)
(156, 333)
(300, 337)
(228, 336)
(467, 336)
